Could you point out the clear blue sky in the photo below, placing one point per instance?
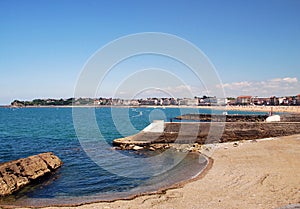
(44, 44)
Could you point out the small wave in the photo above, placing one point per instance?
(138, 115)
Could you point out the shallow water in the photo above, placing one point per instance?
(29, 131)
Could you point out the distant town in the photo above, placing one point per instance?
(196, 101)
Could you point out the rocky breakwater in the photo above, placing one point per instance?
(206, 132)
(236, 117)
(290, 118)
(18, 173)
(222, 118)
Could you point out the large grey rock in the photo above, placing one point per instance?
(18, 173)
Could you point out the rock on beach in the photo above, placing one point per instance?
(18, 173)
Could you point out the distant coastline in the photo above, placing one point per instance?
(241, 103)
(155, 101)
(282, 109)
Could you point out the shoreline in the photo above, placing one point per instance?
(247, 176)
(82, 201)
(281, 109)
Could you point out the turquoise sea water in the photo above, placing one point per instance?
(29, 131)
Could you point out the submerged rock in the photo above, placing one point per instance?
(19, 173)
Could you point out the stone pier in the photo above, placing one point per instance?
(207, 132)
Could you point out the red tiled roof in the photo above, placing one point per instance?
(244, 96)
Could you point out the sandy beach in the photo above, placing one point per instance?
(259, 175)
(283, 109)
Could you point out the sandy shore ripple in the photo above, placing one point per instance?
(259, 175)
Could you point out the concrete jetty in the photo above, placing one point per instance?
(149, 134)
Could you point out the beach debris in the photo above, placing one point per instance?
(18, 173)
(191, 149)
(235, 144)
(115, 148)
(159, 146)
(136, 148)
(197, 147)
(151, 148)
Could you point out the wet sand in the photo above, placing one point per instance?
(259, 175)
